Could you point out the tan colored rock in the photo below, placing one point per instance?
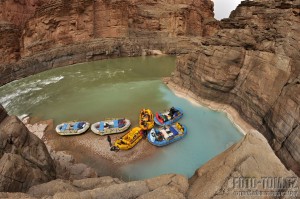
(178, 182)
(24, 158)
(51, 188)
(250, 158)
(15, 195)
(3, 113)
(67, 168)
(91, 183)
(164, 192)
(18, 174)
(118, 191)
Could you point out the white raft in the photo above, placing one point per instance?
(72, 128)
(111, 126)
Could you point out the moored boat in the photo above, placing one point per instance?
(72, 128)
(111, 126)
(146, 119)
(169, 117)
(165, 135)
(129, 140)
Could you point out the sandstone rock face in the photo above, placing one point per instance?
(25, 160)
(252, 63)
(3, 113)
(165, 186)
(62, 23)
(66, 168)
(217, 178)
(9, 42)
(17, 11)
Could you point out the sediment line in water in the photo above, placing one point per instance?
(243, 126)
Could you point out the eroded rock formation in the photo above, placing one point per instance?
(253, 64)
(219, 177)
(25, 160)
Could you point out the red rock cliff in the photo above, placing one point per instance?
(64, 22)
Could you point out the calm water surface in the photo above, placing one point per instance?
(120, 88)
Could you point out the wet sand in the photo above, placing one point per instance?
(231, 113)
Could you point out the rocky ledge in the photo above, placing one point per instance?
(25, 160)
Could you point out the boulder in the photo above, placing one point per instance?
(51, 188)
(3, 113)
(26, 158)
(17, 174)
(252, 158)
(92, 183)
(164, 192)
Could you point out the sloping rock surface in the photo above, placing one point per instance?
(25, 160)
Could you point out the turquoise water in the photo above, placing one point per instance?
(209, 133)
(120, 88)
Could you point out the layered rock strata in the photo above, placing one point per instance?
(63, 32)
(252, 64)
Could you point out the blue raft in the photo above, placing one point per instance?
(166, 135)
(169, 117)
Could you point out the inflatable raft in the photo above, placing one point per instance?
(111, 126)
(72, 128)
(166, 135)
(129, 140)
(146, 119)
(168, 117)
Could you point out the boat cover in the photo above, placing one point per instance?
(78, 125)
(101, 126)
(116, 123)
(121, 123)
(173, 130)
(64, 127)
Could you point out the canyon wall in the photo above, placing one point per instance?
(49, 24)
(253, 64)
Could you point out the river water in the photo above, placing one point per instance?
(120, 88)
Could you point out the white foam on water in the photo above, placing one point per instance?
(7, 99)
(52, 80)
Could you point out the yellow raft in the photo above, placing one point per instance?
(146, 120)
(130, 139)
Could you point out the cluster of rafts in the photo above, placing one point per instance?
(168, 130)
